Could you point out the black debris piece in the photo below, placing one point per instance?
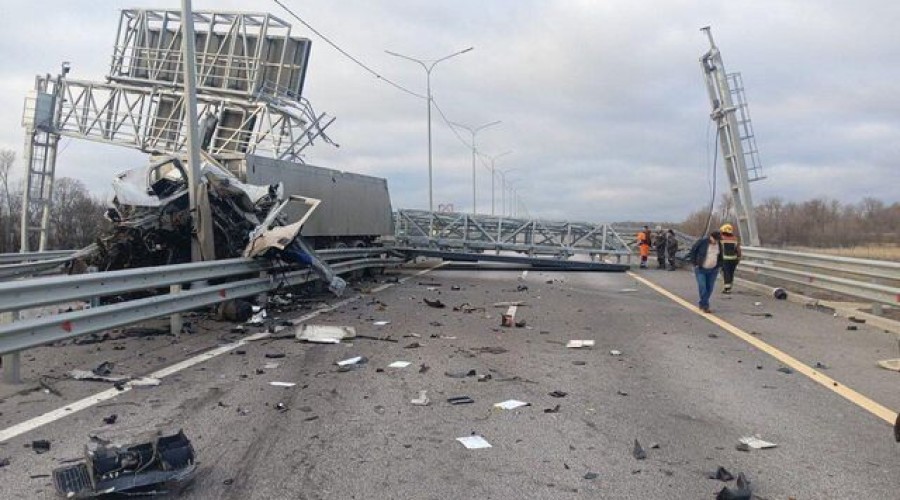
(491, 350)
(638, 452)
(579, 363)
(228, 482)
(237, 310)
(120, 385)
(103, 369)
(591, 475)
(852, 328)
(413, 345)
(240, 352)
(310, 419)
(785, 369)
(131, 469)
(460, 400)
(713, 336)
(424, 368)
(780, 293)
(741, 490)
(555, 409)
(274, 355)
(484, 378)
(4, 462)
(281, 407)
(436, 323)
(621, 393)
(654, 446)
(437, 304)
(456, 374)
(854, 319)
(520, 324)
(559, 394)
(49, 387)
(38, 476)
(742, 447)
(897, 429)
(456, 288)
(110, 420)
(522, 288)
(40, 446)
(820, 365)
(721, 474)
(370, 337)
(471, 373)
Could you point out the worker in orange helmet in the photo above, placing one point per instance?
(731, 255)
(644, 242)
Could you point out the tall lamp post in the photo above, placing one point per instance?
(503, 188)
(429, 65)
(474, 131)
(493, 174)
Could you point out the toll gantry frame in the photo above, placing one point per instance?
(250, 69)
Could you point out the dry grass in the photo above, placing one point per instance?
(877, 252)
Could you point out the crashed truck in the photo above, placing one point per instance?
(151, 224)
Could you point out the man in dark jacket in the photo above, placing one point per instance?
(706, 256)
(671, 248)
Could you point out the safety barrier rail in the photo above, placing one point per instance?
(15, 258)
(249, 278)
(877, 281)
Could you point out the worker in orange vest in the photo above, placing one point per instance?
(731, 255)
(644, 241)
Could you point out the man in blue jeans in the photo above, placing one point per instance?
(706, 255)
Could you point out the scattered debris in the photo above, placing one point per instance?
(520, 324)
(780, 293)
(383, 339)
(474, 442)
(122, 469)
(615, 353)
(512, 303)
(852, 328)
(760, 315)
(854, 319)
(281, 407)
(484, 378)
(456, 288)
(741, 491)
(325, 334)
(721, 474)
(144, 382)
(511, 404)
(578, 344)
(468, 308)
(591, 475)
(413, 345)
(274, 355)
(522, 288)
(258, 318)
(621, 393)
(110, 420)
(579, 363)
(897, 429)
(820, 365)
(48, 387)
(381, 323)
(713, 336)
(40, 446)
(91, 377)
(103, 369)
(628, 290)
(399, 364)
(460, 400)
(555, 409)
(422, 400)
(282, 384)
(756, 443)
(558, 394)
(437, 304)
(506, 320)
(424, 368)
(461, 374)
(4, 462)
(352, 361)
(654, 446)
(638, 452)
(491, 350)
(784, 369)
(271, 366)
(236, 310)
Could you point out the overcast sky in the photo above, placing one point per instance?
(603, 103)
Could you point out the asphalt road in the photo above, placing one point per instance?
(681, 382)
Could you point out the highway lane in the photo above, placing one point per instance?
(681, 382)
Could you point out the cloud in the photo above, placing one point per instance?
(603, 103)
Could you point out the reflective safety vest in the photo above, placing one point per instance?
(731, 249)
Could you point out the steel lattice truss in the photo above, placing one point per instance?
(419, 228)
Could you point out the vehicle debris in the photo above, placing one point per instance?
(579, 344)
(103, 369)
(110, 420)
(490, 350)
(506, 320)
(424, 368)
(474, 442)
(591, 475)
(615, 353)
(282, 384)
(484, 378)
(784, 369)
(721, 474)
(274, 355)
(437, 304)
(4, 462)
(324, 334)
(558, 394)
(413, 345)
(352, 361)
(236, 310)
(461, 374)
(422, 400)
(91, 377)
(852, 328)
(381, 323)
(511, 404)
(460, 400)
(144, 467)
(756, 443)
(741, 490)
(520, 324)
(468, 308)
(271, 366)
(40, 446)
(780, 294)
(555, 409)
(513, 303)
(638, 452)
(854, 319)
(820, 365)
(399, 364)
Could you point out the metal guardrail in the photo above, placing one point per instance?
(254, 277)
(38, 263)
(877, 281)
(15, 258)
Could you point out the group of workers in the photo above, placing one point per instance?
(720, 249)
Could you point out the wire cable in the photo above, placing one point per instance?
(449, 124)
(347, 54)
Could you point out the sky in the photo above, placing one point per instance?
(603, 103)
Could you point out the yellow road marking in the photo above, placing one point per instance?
(860, 400)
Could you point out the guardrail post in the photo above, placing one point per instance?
(12, 372)
(176, 322)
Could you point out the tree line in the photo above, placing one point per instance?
(820, 222)
(76, 217)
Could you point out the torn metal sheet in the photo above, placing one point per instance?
(381, 323)
(474, 442)
(145, 467)
(511, 404)
(756, 443)
(92, 377)
(325, 334)
(351, 361)
(399, 364)
(578, 344)
(282, 384)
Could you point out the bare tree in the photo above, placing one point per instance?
(7, 159)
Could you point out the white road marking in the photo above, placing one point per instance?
(69, 409)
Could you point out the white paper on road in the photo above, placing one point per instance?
(578, 344)
(325, 334)
(381, 323)
(351, 361)
(282, 384)
(399, 364)
(510, 404)
(474, 442)
(757, 443)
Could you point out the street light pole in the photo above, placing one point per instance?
(493, 174)
(474, 131)
(428, 67)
